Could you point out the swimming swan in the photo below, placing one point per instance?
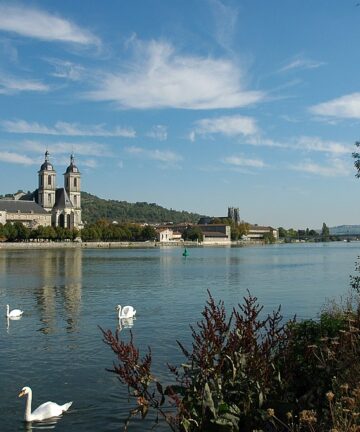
(125, 312)
(14, 313)
(44, 411)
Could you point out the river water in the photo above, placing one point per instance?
(56, 348)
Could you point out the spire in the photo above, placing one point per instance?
(47, 165)
(72, 168)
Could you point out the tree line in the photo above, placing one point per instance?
(289, 235)
(99, 231)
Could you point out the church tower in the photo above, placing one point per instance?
(72, 187)
(47, 184)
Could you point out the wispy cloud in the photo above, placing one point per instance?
(66, 69)
(89, 163)
(347, 106)
(11, 85)
(83, 149)
(159, 77)
(240, 161)
(303, 143)
(225, 125)
(225, 22)
(158, 132)
(166, 156)
(335, 167)
(64, 128)
(15, 158)
(8, 50)
(300, 62)
(38, 24)
(319, 145)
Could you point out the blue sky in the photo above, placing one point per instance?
(195, 105)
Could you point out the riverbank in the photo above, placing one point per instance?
(116, 245)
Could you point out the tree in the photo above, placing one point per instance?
(269, 238)
(356, 156)
(193, 233)
(10, 231)
(325, 233)
(148, 233)
(23, 233)
(282, 232)
(243, 229)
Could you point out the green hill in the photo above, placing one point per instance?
(94, 208)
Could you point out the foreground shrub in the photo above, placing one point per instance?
(247, 373)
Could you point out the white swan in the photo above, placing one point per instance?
(14, 313)
(44, 411)
(125, 312)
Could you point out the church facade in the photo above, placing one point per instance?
(48, 204)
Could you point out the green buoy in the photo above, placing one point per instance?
(185, 253)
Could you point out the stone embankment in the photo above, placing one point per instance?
(115, 245)
(90, 245)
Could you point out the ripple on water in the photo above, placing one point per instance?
(57, 348)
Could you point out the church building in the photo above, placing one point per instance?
(47, 205)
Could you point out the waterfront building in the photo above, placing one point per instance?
(256, 232)
(48, 204)
(29, 213)
(212, 233)
(216, 233)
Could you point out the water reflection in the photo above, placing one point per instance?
(125, 323)
(8, 319)
(44, 425)
(60, 276)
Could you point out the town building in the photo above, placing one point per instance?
(257, 232)
(48, 204)
(234, 215)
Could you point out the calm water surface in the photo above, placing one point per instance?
(56, 347)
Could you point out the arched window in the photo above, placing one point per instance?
(49, 180)
(62, 221)
(75, 182)
(67, 182)
(49, 198)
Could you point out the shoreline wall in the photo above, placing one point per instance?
(115, 245)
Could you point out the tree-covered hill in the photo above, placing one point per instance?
(94, 208)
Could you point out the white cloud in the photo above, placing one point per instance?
(303, 143)
(89, 163)
(240, 161)
(333, 168)
(39, 24)
(66, 129)
(318, 145)
(83, 149)
(15, 158)
(10, 85)
(347, 106)
(226, 125)
(158, 77)
(66, 69)
(166, 156)
(300, 62)
(158, 132)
